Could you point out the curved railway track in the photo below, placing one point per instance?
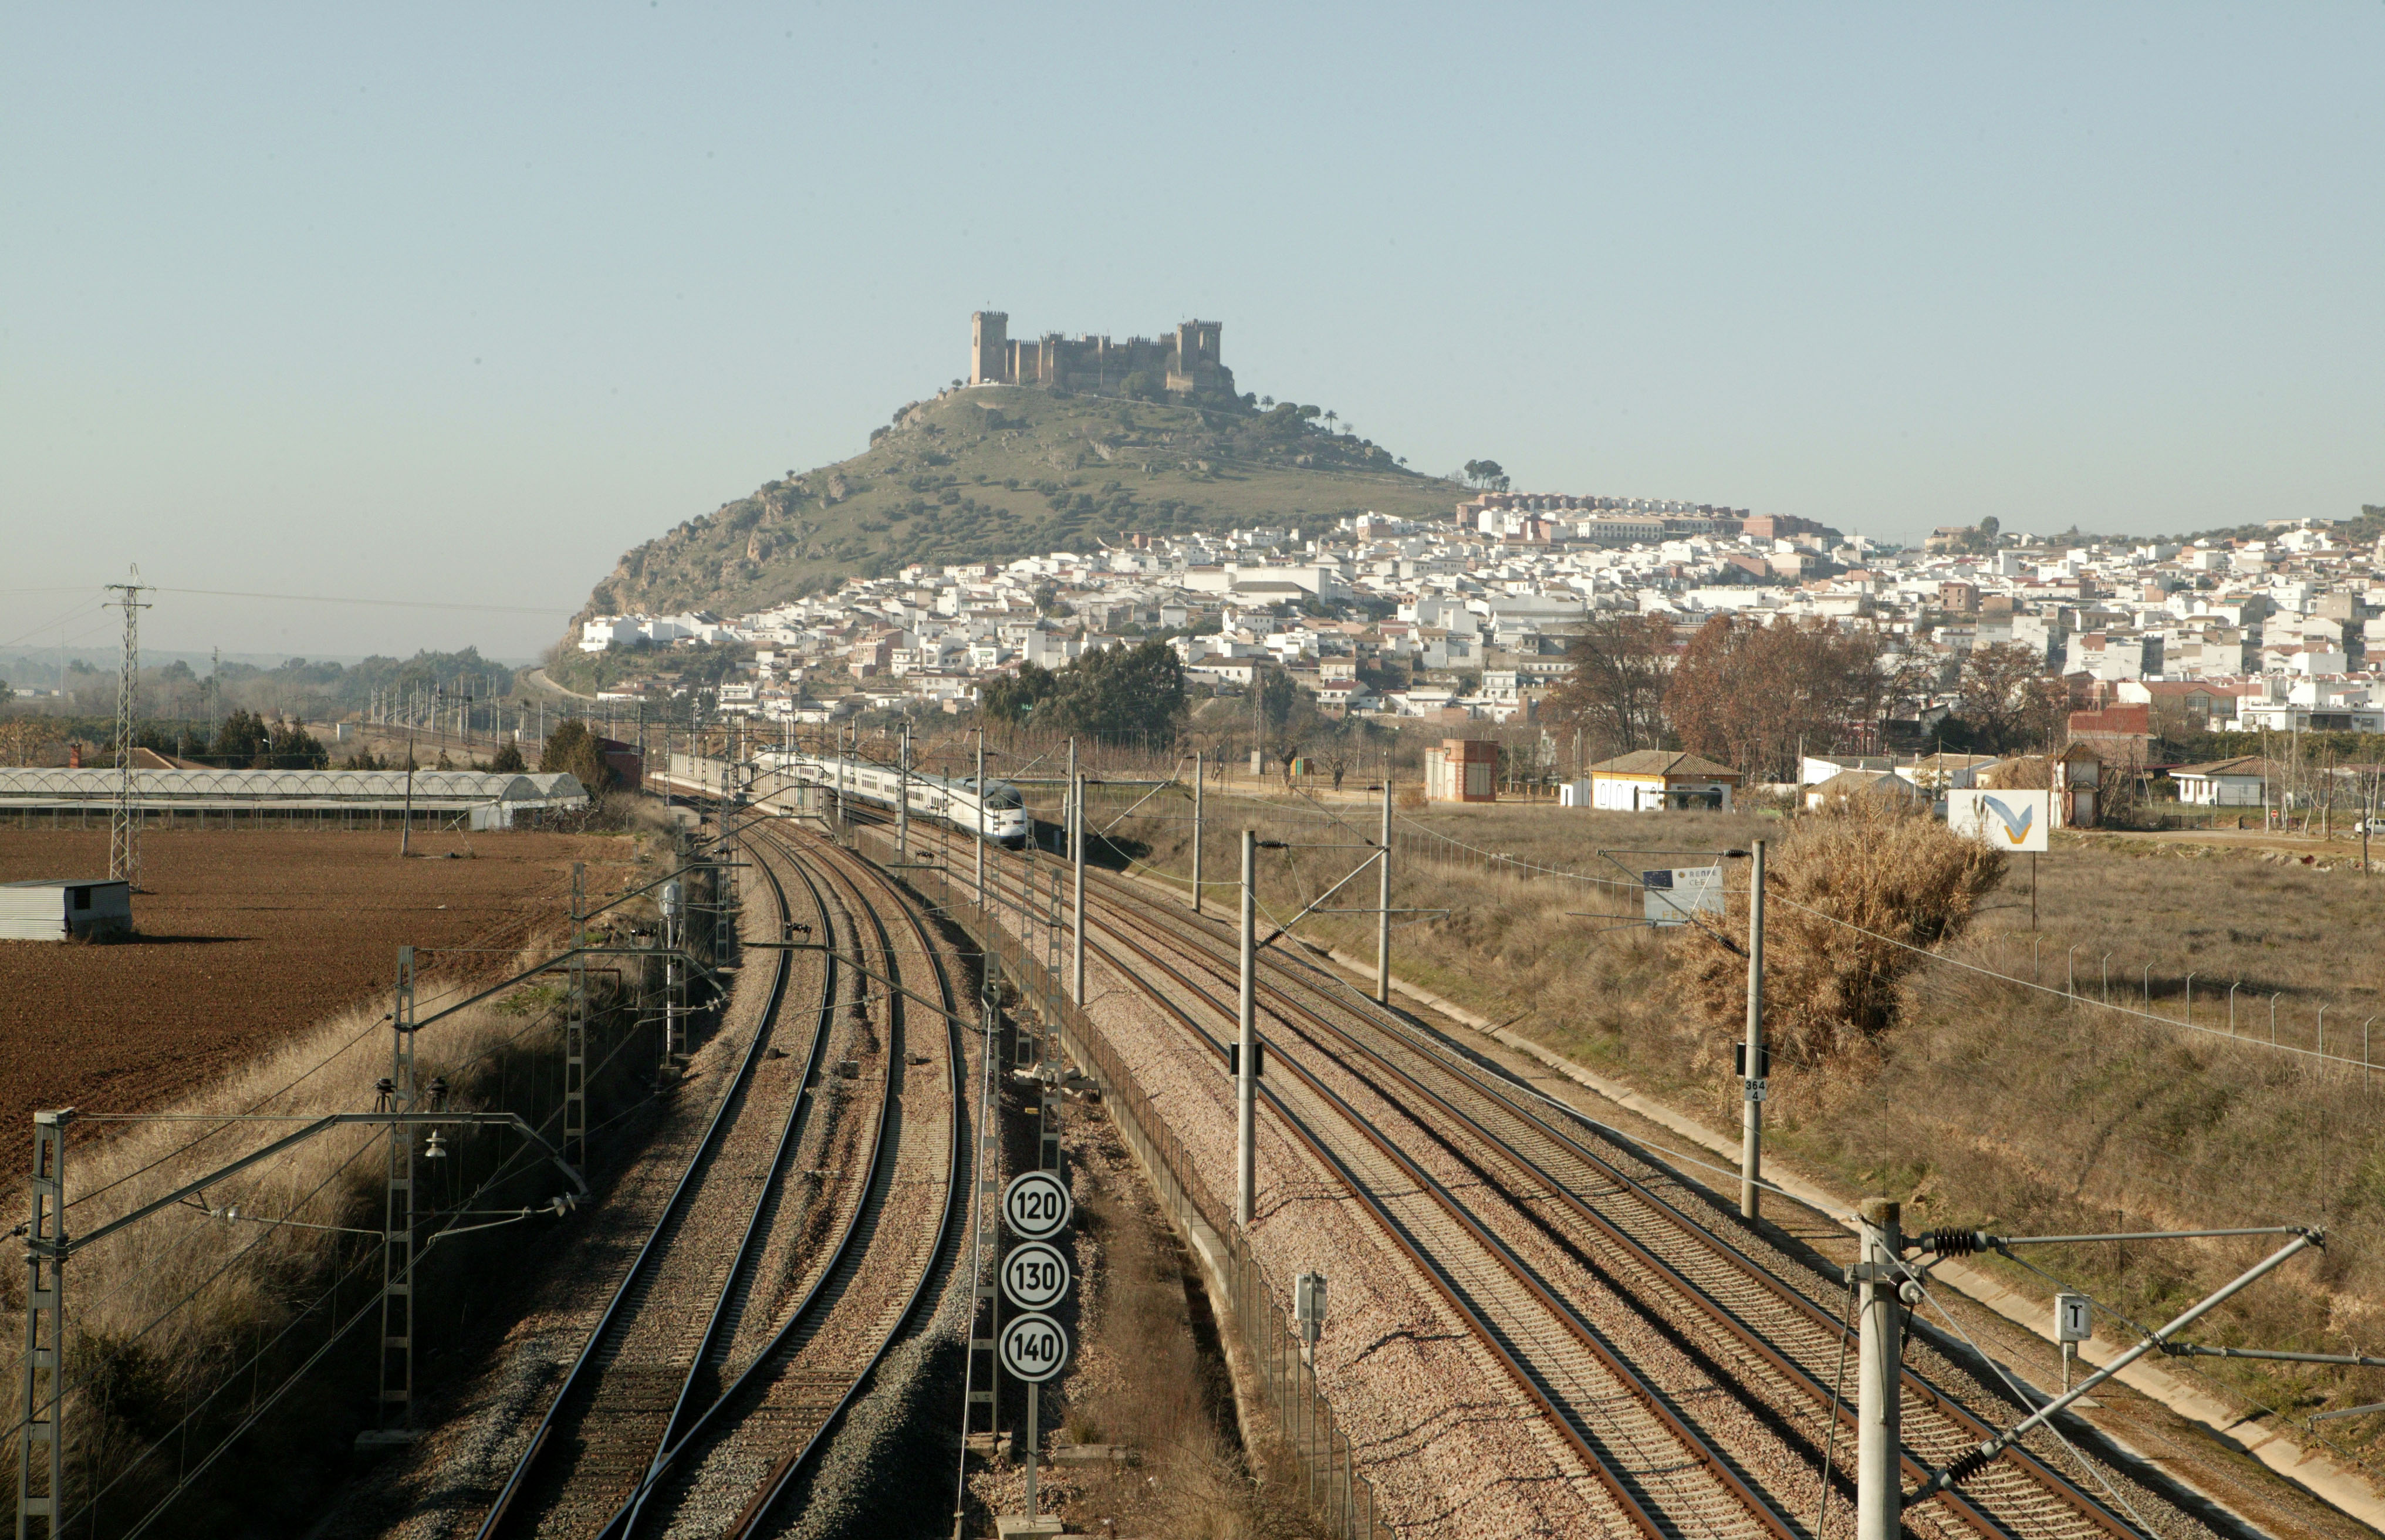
(739, 1457)
(1547, 1208)
(641, 1364)
(697, 1352)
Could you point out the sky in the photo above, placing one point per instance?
(326, 316)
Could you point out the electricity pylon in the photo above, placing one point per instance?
(124, 828)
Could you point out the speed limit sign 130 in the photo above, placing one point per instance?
(1033, 1347)
(1035, 1275)
(1036, 1206)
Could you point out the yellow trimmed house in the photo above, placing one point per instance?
(1658, 779)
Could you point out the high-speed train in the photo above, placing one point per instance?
(998, 810)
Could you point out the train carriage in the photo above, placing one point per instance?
(999, 811)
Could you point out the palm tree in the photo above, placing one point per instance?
(1328, 422)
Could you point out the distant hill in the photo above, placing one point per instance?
(997, 473)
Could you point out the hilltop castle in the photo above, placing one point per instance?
(1186, 364)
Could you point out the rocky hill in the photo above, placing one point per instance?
(1004, 471)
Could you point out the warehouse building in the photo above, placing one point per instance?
(346, 799)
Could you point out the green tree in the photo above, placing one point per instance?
(508, 760)
(1487, 473)
(1141, 386)
(241, 741)
(1014, 697)
(572, 748)
(1122, 690)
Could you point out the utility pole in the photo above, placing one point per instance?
(980, 839)
(1879, 1494)
(1077, 896)
(44, 1375)
(405, 823)
(1247, 1060)
(903, 797)
(394, 1416)
(123, 823)
(1384, 897)
(1753, 1063)
(2368, 818)
(1200, 782)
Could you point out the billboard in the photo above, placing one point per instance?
(2008, 821)
(1673, 895)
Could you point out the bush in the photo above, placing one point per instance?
(1849, 895)
(573, 748)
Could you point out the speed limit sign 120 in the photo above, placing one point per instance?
(1033, 1347)
(1035, 1275)
(1036, 1206)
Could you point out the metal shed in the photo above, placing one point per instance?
(479, 799)
(54, 908)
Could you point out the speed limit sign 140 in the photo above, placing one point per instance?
(1036, 1206)
(1035, 1275)
(1033, 1347)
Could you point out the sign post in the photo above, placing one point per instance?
(2012, 821)
(1032, 1346)
(2074, 1323)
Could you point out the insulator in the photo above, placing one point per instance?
(1967, 1466)
(1951, 1243)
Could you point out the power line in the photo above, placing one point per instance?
(384, 603)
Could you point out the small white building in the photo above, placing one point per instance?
(2225, 783)
(58, 909)
(1655, 781)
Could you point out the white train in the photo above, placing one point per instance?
(1000, 812)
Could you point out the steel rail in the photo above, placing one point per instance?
(1967, 1427)
(580, 1383)
(750, 1520)
(2037, 1476)
(750, 1245)
(1696, 1298)
(1586, 1444)
(830, 1283)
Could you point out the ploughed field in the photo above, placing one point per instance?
(245, 939)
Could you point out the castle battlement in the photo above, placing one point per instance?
(1185, 363)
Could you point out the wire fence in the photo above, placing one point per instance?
(2207, 1006)
(1305, 1421)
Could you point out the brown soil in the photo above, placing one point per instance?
(245, 939)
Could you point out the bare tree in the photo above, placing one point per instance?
(1748, 694)
(1613, 693)
(2008, 699)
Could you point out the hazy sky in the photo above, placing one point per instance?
(457, 304)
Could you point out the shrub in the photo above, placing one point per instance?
(1849, 896)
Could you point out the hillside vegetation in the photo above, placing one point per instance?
(1004, 471)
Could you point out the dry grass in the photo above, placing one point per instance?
(179, 1324)
(1161, 1388)
(1987, 1103)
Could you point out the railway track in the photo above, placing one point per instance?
(738, 1460)
(723, 1336)
(1549, 1241)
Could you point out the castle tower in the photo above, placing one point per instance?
(1198, 367)
(989, 357)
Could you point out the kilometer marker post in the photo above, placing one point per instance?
(1753, 1068)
